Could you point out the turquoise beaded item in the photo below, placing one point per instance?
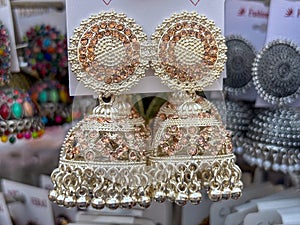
(18, 116)
(54, 101)
(17, 110)
(43, 96)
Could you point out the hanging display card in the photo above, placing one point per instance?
(19, 213)
(29, 17)
(289, 215)
(267, 211)
(112, 219)
(37, 205)
(4, 214)
(240, 211)
(148, 14)
(284, 23)
(219, 211)
(7, 20)
(248, 19)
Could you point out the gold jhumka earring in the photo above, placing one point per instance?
(192, 151)
(103, 158)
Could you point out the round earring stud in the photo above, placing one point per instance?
(105, 53)
(276, 72)
(190, 51)
(240, 56)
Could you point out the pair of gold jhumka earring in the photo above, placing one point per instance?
(110, 158)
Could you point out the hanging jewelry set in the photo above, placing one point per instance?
(24, 115)
(269, 138)
(19, 118)
(274, 133)
(111, 158)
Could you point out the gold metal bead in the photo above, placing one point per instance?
(144, 201)
(159, 196)
(112, 203)
(60, 200)
(52, 195)
(181, 199)
(236, 193)
(70, 201)
(98, 203)
(195, 198)
(226, 193)
(83, 202)
(128, 202)
(215, 195)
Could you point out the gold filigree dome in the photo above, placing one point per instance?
(193, 128)
(192, 152)
(103, 160)
(98, 139)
